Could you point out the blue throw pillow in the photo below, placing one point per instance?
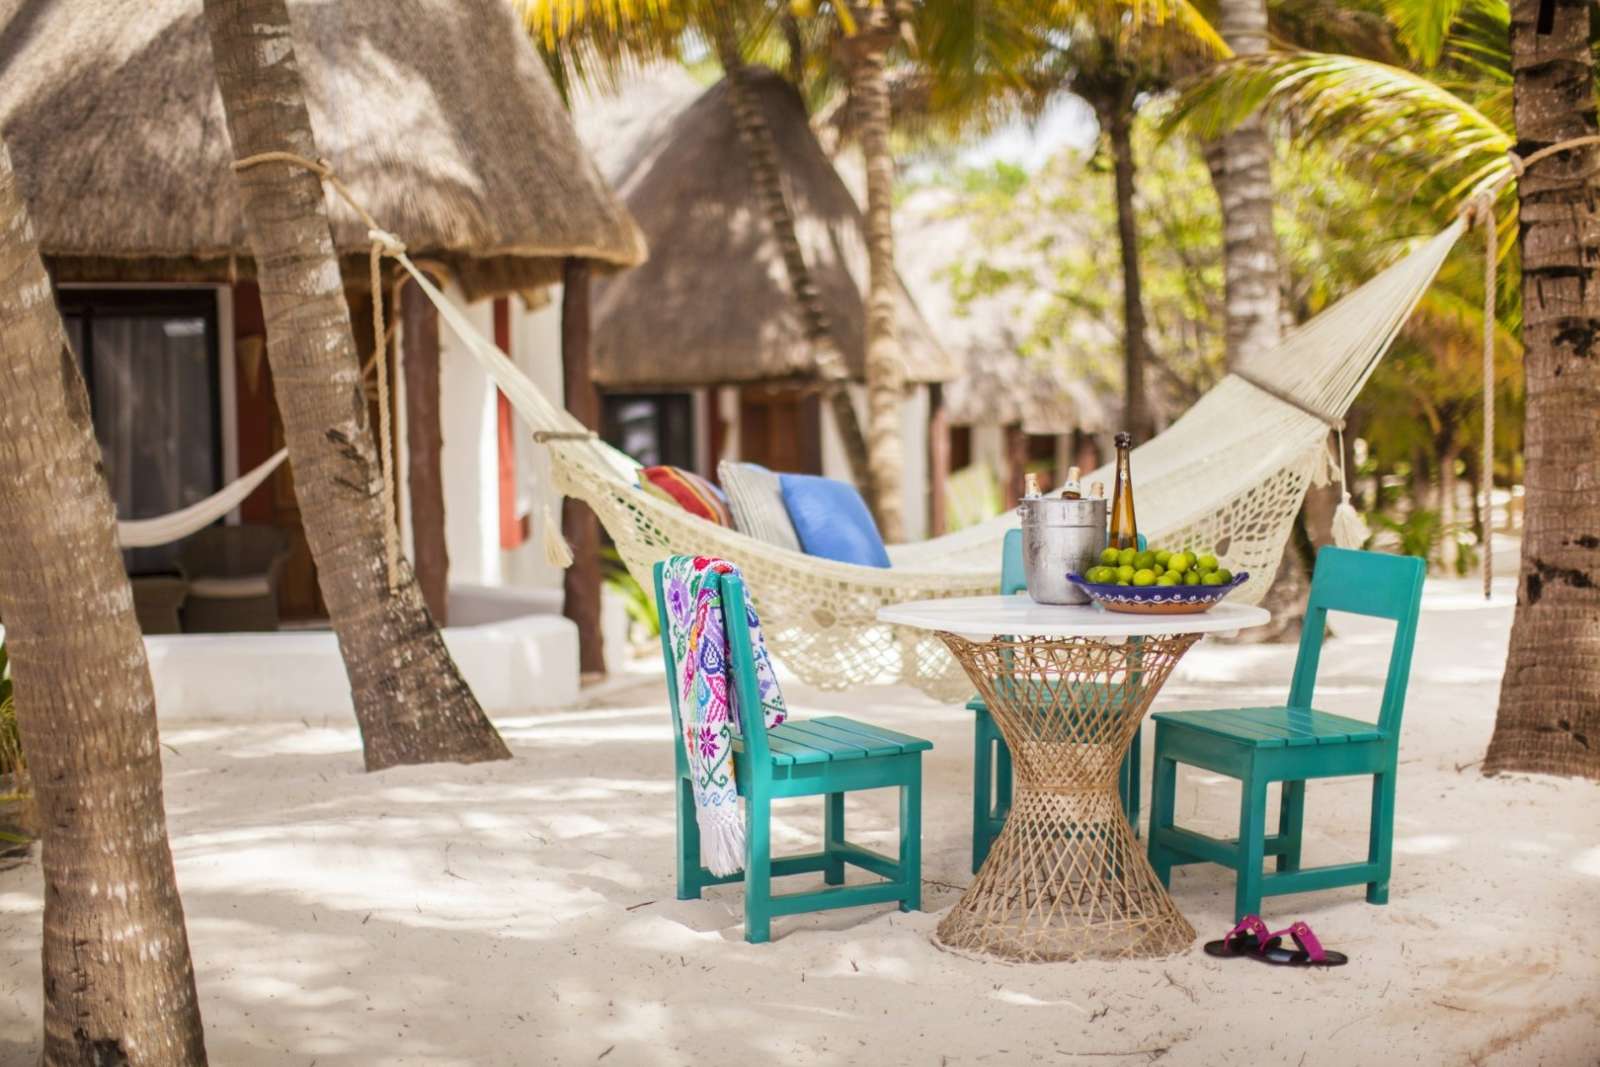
(832, 520)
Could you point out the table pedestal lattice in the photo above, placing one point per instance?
(1066, 879)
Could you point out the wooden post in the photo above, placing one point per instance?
(1016, 463)
(938, 459)
(578, 525)
(425, 438)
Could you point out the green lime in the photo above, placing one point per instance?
(1126, 557)
(1144, 576)
(1125, 573)
(1168, 579)
(1145, 560)
(1103, 575)
(1180, 562)
(1211, 579)
(1225, 574)
(1110, 557)
(1207, 564)
(1191, 578)
(1163, 557)
(1121, 581)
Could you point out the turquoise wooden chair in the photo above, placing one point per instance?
(827, 756)
(1292, 743)
(991, 759)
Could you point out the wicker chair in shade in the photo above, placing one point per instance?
(233, 578)
(157, 601)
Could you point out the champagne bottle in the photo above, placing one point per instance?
(1124, 528)
(1098, 490)
(1072, 490)
(1030, 485)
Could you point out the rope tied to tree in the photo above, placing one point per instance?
(384, 243)
(1478, 210)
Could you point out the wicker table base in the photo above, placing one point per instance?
(1066, 879)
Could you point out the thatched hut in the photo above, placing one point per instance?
(437, 114)
(710, 322)
(1006, 413)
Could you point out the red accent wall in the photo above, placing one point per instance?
(513, 528)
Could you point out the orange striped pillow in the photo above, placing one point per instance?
(689, 491)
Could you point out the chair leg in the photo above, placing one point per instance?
(758, 869)
(833, 837)
(1252, 846)
(983, 741)
(1380, 841)
(1128, 783)
(1291, 819)
(688, 844)
(911, 837)
(1003, 777)
(1163, 791)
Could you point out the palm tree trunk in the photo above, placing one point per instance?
(1549, 717)
(411, 701)
(885, 369)
(767, 179)
(1241, 170)
(119, 986)
(1117, 118)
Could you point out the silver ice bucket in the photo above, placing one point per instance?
(1060, 536)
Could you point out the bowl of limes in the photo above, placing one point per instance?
(1157, 581)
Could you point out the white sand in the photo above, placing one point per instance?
(524, 913)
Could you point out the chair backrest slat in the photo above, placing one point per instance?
(680, 758)
(1374, 584)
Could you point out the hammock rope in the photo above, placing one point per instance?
(383, 243)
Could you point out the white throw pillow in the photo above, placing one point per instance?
(756, 499)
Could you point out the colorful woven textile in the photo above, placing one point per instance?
(707, 700)
(689, 491)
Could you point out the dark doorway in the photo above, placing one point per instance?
(656, 429)
(150, 359)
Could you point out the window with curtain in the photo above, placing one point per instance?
(150, 361)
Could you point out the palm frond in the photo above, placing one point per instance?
(1373, 113)
(1423, 25)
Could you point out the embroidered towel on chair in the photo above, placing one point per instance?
(706, 700)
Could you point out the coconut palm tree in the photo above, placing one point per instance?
(411, 702)
(119, 986)
(1241, 170)
(969, 61)
(1502, 69)
(1549, 718)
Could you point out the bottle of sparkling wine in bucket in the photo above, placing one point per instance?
(1124, 529)
(1072, 490)
(1030, 485)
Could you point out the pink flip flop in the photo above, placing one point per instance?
(1248, 938)
(1310, 952)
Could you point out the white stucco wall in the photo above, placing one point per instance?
(536, 349)
(469, 456)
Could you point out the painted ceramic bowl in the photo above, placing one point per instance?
(1157, 599)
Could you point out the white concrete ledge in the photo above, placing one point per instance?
(525, 661)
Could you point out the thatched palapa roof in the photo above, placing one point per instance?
(998, 384)
(437, 113)
(713, 305)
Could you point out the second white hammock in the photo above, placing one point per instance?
(176, 525)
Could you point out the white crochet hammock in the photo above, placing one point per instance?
(1231, 473)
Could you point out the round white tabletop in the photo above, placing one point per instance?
(978, 617)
